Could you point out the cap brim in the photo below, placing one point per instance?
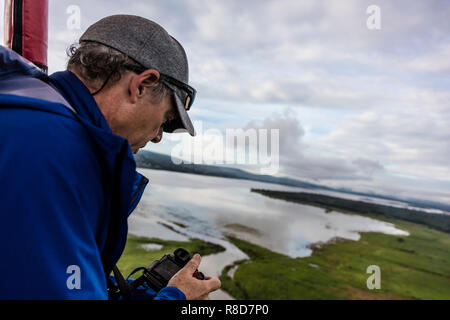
(183, 122)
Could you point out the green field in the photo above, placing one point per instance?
(412, 267)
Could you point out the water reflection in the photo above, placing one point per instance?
(210, 207)
(177, 206)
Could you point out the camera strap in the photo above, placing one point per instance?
(124, 289)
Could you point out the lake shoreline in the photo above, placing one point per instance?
(338, 269)
(241, 286)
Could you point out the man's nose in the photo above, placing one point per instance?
(159, 136)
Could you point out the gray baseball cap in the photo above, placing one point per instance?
(150, 45)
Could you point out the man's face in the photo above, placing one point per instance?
(132, 112)
(146, 124)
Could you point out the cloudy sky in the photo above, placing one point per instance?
(366, 109)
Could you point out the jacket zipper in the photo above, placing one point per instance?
(142, 184)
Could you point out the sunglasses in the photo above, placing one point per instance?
(185, 92)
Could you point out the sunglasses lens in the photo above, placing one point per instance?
(184, 92)
(185, 96)
(187, 105)
(191, 99)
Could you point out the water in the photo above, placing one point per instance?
(211, 207)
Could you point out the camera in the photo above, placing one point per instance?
(158, 274)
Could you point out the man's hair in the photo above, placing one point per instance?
(97, 64)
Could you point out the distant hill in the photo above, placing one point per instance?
(153, 160)
(159, 161)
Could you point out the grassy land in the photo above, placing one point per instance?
(412, 267)
(134, 256)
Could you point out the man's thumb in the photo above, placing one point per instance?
(193, 264)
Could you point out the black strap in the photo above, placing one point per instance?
(105, 82)
(17, 26)
(124, 289)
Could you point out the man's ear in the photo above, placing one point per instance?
(141, 82)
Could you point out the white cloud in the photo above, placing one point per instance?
(374, 105)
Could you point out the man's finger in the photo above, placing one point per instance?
(193, 264)
(213, 284)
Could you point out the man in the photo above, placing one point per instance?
(68, 176)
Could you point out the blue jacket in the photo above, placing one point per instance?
(67, 187)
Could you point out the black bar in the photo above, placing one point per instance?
(17, 26)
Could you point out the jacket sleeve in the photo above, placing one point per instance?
(170, 293)
(51, 207)
(144, 292)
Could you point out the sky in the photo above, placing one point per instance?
(358, 103)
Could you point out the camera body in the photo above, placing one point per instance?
(158, 274)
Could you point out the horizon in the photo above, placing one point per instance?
(414, 201)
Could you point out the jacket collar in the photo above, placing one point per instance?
(78, 95)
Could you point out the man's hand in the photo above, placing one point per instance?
(193, 288)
